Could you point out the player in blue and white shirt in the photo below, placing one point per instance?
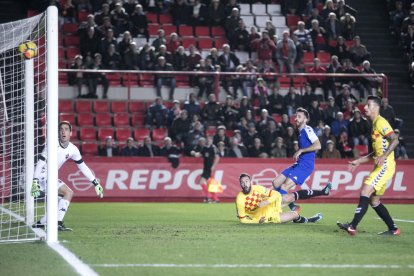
(305, 160)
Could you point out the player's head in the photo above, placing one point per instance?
(372, 106)
(245, 183)
(301, 117)
(65, 131)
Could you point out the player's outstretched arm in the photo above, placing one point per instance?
(316, 145)
(355, 163)
(98, 188)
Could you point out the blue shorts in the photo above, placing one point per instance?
(298, 173)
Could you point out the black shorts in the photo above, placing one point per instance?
(206, 173)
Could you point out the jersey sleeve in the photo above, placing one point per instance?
(77, 157)
(384, 128)
(311, 134)
(241, 213)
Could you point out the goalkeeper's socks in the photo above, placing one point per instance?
(63, 206)
(300, 219)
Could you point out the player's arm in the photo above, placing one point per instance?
(355, 163)
(40, 166)
(393, 143)
(270, 195)
(315, 146)
(215, 161)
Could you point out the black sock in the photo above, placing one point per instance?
(300, 219)
(360, 210)
(292, 206)
(385, 215)
(305, 194)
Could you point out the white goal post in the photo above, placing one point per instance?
(28, 118)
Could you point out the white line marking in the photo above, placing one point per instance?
(367, 266)
(402, 220)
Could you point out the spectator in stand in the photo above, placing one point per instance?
(250, 135)
(276, 102)
(180, 59)
(235, 150)
(342, 9)
(264, 120)
(333, 27)
(67, 13)
(330, 151)
(180, 127)
(84, 5)
(316, 114)
(290, 139)
(359, 129)
(193, 59)
(146, 58)
(270, 134)
(193, 137)
(401, 150)
(84, 27)
(130, 149)
(270, 28)
(174, 112)
(339, 125)
(90, 44)
(98, 78)
(139, 23)
(230, 6)
(129, 6)
(299, 53)
(326, 136)
(349, 110)
(232, 22)
(220, 136)
(180, 12)
(331, 110)
(267, 70)
(221, 148)
(131, 57)
(111, 58)
(204, 82)
(328, 8)
(245, 106)
(369, 83)
(304, 36)
(103, 29)
(342, 99)
(309, 96)
(104, 12)
(348, 68)
(249, 81)
(108, 40)
(164, 79)
(358, 52)
(250, 117)
(341, 50)
(119, 18)
(279, 149)
(157, 114)
(230, 113)
(257, 150)
(211, 113)
(192, 106)
(348, 23)
(387, 111)
(260, 94)
(397, 17)
(148, 149)
(240, 40)
(173, 43)
(253, 36)
(160, 40)
(214, 56)
(333, 67)
(78, 79)
(409, 20)
(292, 101)
(285, 123)
(286, 53)
(109, 149)
(265, 47)
(228, 62)
(198, 13)
(123, 45)
(163, 52)
(314, 16)
(318, 81)
(345, 148)
(318, 35)
(407, 40)
(216, 14)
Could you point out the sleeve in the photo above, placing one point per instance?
(241, 213)
(77, 157)
(41, 164)
(311, 134)
(270, 195)
(384, 128)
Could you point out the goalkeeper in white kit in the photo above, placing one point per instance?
(66, 150)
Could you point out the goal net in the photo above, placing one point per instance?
(23, 121)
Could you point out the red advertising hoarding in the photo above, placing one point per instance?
(147, 179)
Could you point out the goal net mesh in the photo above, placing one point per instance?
(17, 210)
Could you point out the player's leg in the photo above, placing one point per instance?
(204, 187)
(278, 181)
(63, 204)
(383, 213)
(296, 218)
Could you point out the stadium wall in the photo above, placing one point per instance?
(154, 179)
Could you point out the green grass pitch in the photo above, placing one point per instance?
(195, 237)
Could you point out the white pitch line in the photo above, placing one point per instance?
(338, 266)
(402, 220)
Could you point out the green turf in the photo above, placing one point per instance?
(147, 233)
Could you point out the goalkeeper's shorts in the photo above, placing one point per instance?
(43, 184)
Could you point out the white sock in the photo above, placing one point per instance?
(43, 220)
(63, 206)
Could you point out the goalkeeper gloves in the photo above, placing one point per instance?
(35, 188)
(98, 188)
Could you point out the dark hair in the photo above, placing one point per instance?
(375, 99)
(243, 175)
(65, 123)
(304, 111)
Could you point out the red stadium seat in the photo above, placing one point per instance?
(122, 134)
(308, 57)
(362, 149)
(72, 40)
(87, 133)
(220, 41)
(104, 132)
(165, 18)
(71, 52)
(185, 30)
(152, 18)
(82, 15)
(202, 31)
(292, 119)
(85, 119)
(118, 107)
(147, 80)
(153, 28)
(205, 43)
(65, 106)
(210, 132)
(158, 134)
(70, 28)
(292, 20)
(141, 133)
(137, 107)
(349, 43)
(121, 119)
(217, 31)
(325, 57)
(137, 120)
(101, 106)
(277, 118)
(229, 133)
(187, 41)
(168, 29)
(74, 135)
(103, 119)
(83, 106)
(70, 117)
(89, 148)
